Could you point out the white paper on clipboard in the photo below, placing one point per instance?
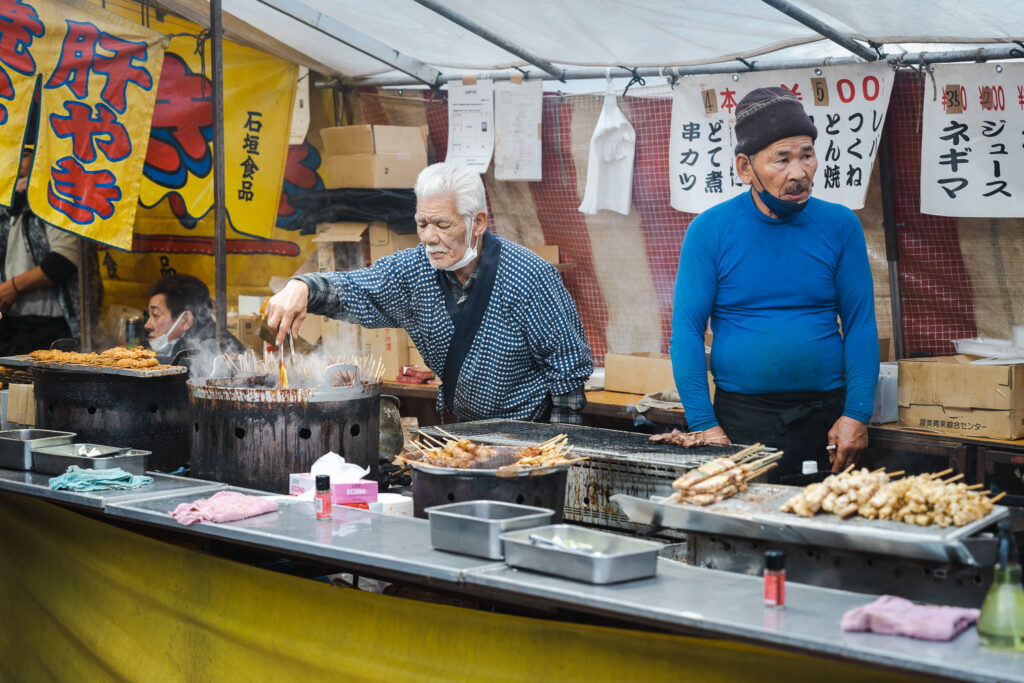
(517, 131)
(471, 124)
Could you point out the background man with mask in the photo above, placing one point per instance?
(772, 269)
(490, 317)
(180, 318)
(39, 271)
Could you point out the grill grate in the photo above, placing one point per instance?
(592, 441)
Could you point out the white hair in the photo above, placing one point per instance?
(453, 180)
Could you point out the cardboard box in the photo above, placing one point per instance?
(247, 331)
(384, 240)
(361, 491)
(548, 252)
(414, 356)
(391, 345)
(369, 139)
(385, 171)
(21, 405)
(638, 373)
(947, 394)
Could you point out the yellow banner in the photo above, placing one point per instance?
(82, 600)
(97, 76)
(258, 93)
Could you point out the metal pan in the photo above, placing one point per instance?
(16, 445)
(754, 513)
(612, 558)
(475, 527)
(57, 459)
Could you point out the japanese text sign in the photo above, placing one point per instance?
(96, 76)
(258, 93)
(847, 104)
(971, 141)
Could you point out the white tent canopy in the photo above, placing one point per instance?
(588, 33)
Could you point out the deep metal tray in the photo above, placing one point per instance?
(614, 558)
(754, 513)
(42, 366)
(57, 459)
(475, 527)
(16, 445)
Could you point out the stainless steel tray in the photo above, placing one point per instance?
(42, 366)
(57, 459)
(16, 445)
(754, 513)
(614, 558)
(475, 527)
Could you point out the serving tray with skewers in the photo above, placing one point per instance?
(757, 513)
(454, 455)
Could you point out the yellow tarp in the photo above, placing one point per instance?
(81, 600)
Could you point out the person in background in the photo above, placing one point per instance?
(773, 269)
(490, 317)
(181, 318)
(38, 276)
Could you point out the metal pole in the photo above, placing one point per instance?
(892, 237)
(909, 59)
(84, 309)
(824, 29)
(220, 254)
(491, 37)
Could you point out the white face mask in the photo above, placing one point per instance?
(470, 254)
(161, 343)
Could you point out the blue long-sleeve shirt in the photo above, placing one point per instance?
(772, 290)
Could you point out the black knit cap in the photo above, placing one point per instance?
(766, 115)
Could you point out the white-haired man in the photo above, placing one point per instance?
(490, 317)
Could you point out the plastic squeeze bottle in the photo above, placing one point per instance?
(1001, 623)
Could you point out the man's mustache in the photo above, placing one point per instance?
(797, 188)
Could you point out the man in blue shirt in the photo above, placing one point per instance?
(785, 281)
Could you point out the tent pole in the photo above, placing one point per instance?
(824, 29)
(420, 72)
(892, 236)
(491, 37)
(909, 59)
(220, 265)
(84, 309)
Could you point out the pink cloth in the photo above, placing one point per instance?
(892, 615)
(223, 506)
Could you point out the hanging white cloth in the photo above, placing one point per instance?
(610, 167)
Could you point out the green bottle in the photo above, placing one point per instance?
(1001, 623)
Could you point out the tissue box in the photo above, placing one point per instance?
(345, 493)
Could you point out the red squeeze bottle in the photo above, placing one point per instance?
(774, 579)
(322, 500)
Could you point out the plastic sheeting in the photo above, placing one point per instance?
(614, 32)
(82, 600)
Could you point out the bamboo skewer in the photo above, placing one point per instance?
(998, 498)
(943, 473)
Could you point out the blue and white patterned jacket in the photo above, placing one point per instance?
(530, 343)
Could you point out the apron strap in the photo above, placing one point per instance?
(467, 322)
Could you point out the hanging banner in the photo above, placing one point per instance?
(258, 94)
(971, 149)
(847, 104)
(517, 130)
(471, 124)
(98, 75)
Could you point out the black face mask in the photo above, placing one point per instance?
(783, 208)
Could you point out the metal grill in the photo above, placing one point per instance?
(620, 462)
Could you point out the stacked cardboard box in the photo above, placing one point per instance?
(374, 156)
(948, 394)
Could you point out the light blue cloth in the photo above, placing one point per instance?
(77, 479)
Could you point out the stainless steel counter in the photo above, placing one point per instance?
(389, 544)
(680, 599)
(692, 599)
(38, 485)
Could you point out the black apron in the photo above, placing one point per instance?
(467, 319)
(796, 423)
